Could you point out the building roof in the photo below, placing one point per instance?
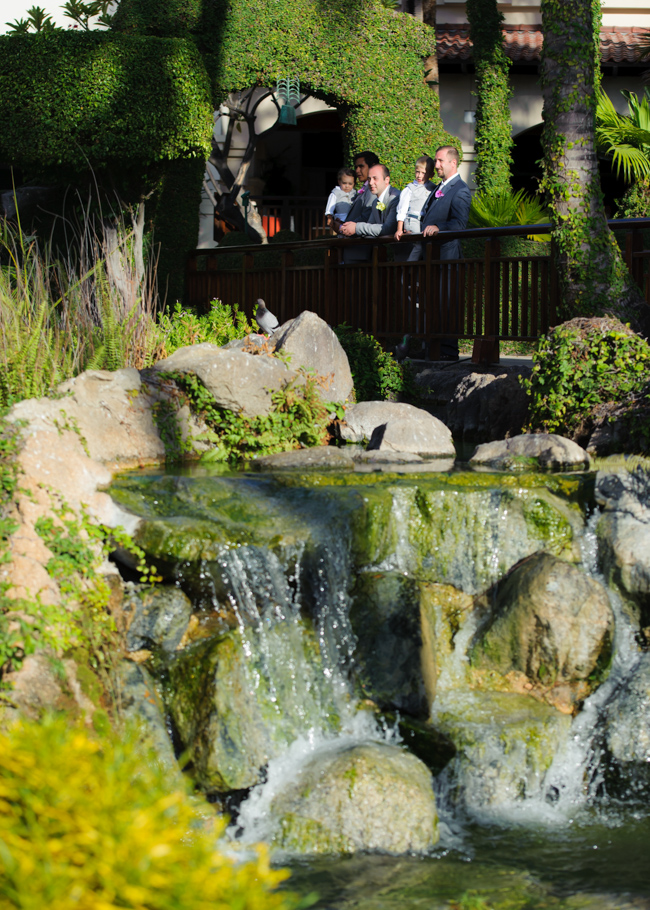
(523, 43)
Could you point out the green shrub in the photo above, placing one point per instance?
(581, 364)
(376, 374)
(298, 418)
(219, 325)
(91, 824)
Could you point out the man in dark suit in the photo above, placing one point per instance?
(447, 209)
(378, 220)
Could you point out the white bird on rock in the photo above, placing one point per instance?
(265, 318)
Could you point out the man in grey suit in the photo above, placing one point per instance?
(447, 209)
(377, 221)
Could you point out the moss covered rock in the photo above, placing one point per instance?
(505, 745)
(242, 698)
(365, 797)
(552, 623)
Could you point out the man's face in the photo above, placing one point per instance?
(445, 167)
(376, 180)
(361, 169)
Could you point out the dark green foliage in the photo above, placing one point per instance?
(96, 98)
(493, 142)
(635, 202)
(355, 54)
(375, 372)
(298, 418)
(175, 216)
(580, 365)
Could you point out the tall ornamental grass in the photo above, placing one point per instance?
(95, 309)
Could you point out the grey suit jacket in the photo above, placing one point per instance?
(372, 223)
(450, 213)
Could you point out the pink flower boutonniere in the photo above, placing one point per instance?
(439, 194)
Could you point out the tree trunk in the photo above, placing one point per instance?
(493, 142)
(432, 76)
(592, 274)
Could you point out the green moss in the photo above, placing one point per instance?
(306, 835)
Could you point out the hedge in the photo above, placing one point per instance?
(94, 98)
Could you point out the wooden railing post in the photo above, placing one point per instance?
(375, 289)
(486, 349)
(285, 306)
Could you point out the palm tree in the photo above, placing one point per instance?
(625, 137)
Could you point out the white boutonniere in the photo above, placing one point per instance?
(381, 206)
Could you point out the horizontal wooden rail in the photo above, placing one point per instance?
(492, 293)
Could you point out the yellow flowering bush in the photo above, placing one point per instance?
(95, 825)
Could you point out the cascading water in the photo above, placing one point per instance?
(289, 572)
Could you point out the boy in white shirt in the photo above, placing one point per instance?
(411, 201)
(340, 199)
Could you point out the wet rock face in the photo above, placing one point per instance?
(241, 699)
(385, 617)
(157, 618)
(551, 622)
(505, 745)
(624, 533)
(627, 735)
(366, 797)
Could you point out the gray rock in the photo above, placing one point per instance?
(313, 345)
(156, 618)
(505, 745)
(402, 428)
(624, 532)
(363, 456)
(627, 735)
(108, 412)
(365, 797)
(487, 407)
(362, 419)
(142, 704)
(545, 450)
(551, 622)
(316, 457)
(237, 381)
(247, 343)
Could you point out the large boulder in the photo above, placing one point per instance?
(312, 344)
(627, 735)
(316, 458)
(397, 427)
(238, 381)
(624, 533)
(543, 450)
(488, 407)
(109, 413)
(505, 745)
(552, 623)
(361, 797)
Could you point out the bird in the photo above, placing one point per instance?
(265, 318)
(402, 349)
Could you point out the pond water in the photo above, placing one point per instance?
(286, 563)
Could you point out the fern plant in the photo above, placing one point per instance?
(506, 208)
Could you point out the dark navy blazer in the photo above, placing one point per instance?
(450, 212)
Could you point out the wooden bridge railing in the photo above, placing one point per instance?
(487, 295)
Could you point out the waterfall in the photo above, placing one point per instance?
(575, 777)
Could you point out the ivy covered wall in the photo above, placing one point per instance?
(355, 54)
(139, 98)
